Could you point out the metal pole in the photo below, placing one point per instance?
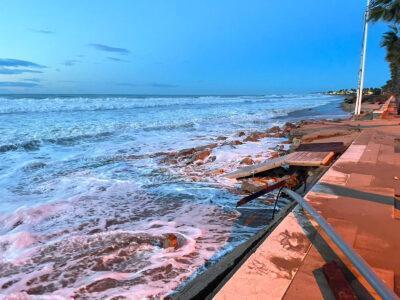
(357, 110)
(365, 270)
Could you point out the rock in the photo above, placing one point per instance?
(234, 143)
(274, 129)
(102, 285)
(241, 133)
(256, 136)
(202, 155)
(218, 172)
(186, 152)
(247, 161)
(278, 148)
(274, 154)
(278, 135)
(222, 138)
(209, 146)
(171, 241)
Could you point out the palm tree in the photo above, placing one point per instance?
(389, 11)
(385, 10)
(391, 41)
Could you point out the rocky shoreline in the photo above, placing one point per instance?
(203, 163)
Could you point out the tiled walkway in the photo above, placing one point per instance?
(357, 197)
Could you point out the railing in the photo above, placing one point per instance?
(377, 284)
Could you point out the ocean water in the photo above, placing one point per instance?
(86, 200)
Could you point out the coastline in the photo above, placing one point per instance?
(291, 134)
(196, 212)
(303, 131)
(272, 142)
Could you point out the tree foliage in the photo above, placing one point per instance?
(389, 11)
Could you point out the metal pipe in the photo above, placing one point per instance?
(377, 284)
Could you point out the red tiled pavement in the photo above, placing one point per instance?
(356, 196)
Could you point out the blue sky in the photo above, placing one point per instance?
(185, 47)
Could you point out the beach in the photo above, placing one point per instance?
(95, 187)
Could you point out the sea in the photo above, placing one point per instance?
(87, 200)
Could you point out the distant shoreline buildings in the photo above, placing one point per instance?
(366, 91)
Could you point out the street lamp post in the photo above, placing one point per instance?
(357, 109)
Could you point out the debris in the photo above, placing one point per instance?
(265, 166)
(310, 159)
(340, 287)
(296, 143)
(337, 147)
(252, 185)
(261, 192)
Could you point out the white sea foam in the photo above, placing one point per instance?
(86, 203)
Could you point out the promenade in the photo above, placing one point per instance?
(359, 196)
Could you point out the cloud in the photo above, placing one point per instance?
(41, 31)
(9, 71)
(10, 66)
(9, 62)
(17, 84)
(32, 79)
(106, 48)
(117, 59)
(70, 62)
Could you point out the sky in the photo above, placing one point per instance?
(185, 46)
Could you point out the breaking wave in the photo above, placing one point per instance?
(89, 210)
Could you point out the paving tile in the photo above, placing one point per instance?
(347, 230)
(386, 275)
(370, 154)
(353, 154)
(275, 261)
(334, 177)
(370, 242)
(359, 180)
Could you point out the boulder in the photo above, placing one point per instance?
(171, 241)
(256, 136)
(186, 152)
(234, 143)
(247, 161)
(274, 129)
(201, 155)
